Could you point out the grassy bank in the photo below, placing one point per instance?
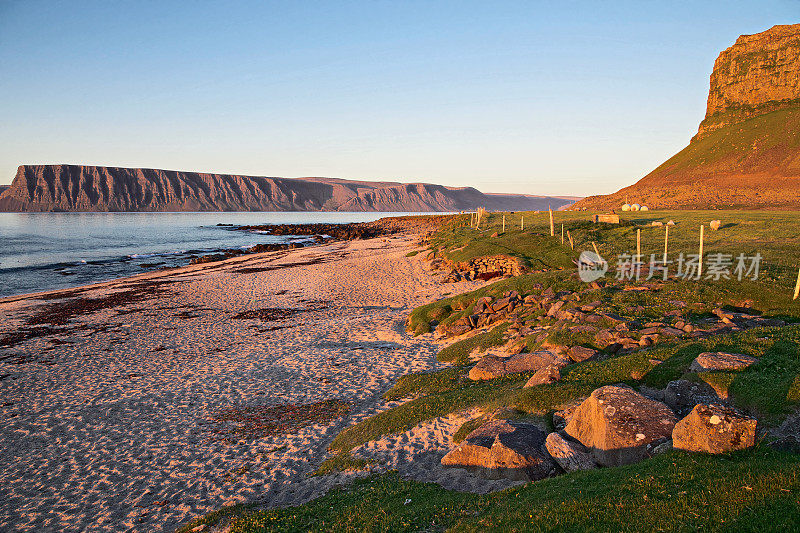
(754, 490)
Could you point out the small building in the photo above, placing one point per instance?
(608, 218)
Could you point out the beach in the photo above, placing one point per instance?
(115, 395)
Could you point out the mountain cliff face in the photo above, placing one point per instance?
(91, 188)
(747, 149)
(757, 75)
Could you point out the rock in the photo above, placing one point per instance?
(555, 308)
(501, 449)
(516, 347)
(492, 366)
(715, 224)
(664, 447)
(617, 424)
(682, 395)
(656, 223)
(580, 354)
(549, 374)
(671, 223)
(531, 362)
(489, 367)
(563, 416)
(714, 428)
(570, 455)
(710, 361)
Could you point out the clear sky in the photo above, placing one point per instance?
(558, 97)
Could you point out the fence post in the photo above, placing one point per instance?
(700, 258)
(797, 286)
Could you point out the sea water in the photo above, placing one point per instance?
(47, 251)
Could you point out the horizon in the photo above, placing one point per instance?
(549, 101)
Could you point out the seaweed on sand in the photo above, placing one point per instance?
(253, 422)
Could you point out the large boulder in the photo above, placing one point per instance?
(569, 455)
(714, 428)
(549, 374)
(711, 361)
(492, 366)
(489, 367)
(500, 449)
(580, 354)
(682, 395)
(620, 426)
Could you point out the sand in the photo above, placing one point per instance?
(108, 425)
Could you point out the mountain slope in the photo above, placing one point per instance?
(747, 149)
(91, 188)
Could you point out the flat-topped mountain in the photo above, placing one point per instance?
(92, 188)
(747, 149)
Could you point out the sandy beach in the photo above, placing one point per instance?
(111, 404)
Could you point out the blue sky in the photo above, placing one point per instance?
(571, 98)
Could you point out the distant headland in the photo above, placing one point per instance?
(59, 188)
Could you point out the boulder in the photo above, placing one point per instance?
(710, 361)
(682, 395)
(492, 366)
(580, 354)
(715, 224)
(549, 374)
(532, 362)
(489, 367)
(563, 416)
(714, 428)
(619, 425)
(501, 449)
(569, 455)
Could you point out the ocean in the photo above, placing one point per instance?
(49, 251)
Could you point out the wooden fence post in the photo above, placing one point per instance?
(666, 242)
(552, 229)
(504, 223)
(638, 245)
(797, 286)
(700, 258)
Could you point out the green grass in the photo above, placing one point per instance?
(733, 146)
(342, 462)
(775, 235)
(458, 352)
(766, 389)
(754, 490)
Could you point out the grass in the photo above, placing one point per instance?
(342, 462)
(458, 352)
(767, 389)
(753, 490)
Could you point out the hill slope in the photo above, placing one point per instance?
(747, 149)
(91, 188)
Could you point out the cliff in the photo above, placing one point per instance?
(747, 149)
(91, 188)
(757, 75)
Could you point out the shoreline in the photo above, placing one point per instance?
(113, 411)
(87, 268)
